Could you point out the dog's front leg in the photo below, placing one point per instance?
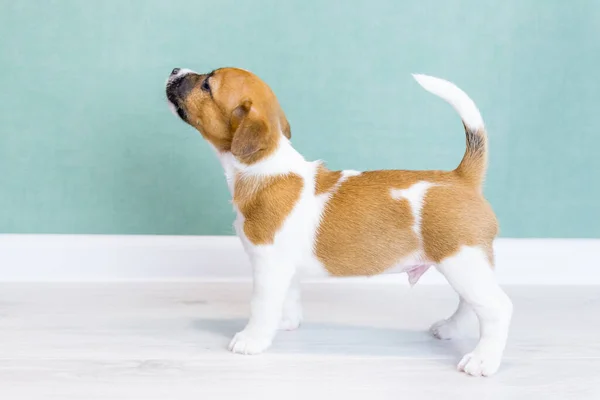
(272, 280)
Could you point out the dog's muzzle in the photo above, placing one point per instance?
(179, 84)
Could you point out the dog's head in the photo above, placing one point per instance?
(232, 108)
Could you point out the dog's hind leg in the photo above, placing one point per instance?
(453, 326)
(469, 272)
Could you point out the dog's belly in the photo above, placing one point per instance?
(414, 266)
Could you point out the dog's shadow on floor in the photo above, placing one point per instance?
(350, 340)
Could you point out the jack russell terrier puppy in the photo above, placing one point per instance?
(295, 214)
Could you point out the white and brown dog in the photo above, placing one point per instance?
(295, 215)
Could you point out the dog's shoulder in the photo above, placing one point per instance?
(265, 202)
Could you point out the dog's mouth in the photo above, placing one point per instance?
(174, 99)
(178, 86)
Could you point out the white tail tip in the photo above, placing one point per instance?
(458, 99)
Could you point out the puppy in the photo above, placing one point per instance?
(294, 214)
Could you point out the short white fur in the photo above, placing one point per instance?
(462, 103)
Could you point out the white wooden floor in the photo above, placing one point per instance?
(168, 341)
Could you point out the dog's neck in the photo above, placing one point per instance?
(285, 159)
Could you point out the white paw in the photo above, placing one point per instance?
(445, 329)
(291, 319)
(247, 342)
(289, 324)
(481, 362)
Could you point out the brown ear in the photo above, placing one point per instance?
(250, 133)
(285, 126)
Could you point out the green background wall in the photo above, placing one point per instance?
(87, 144)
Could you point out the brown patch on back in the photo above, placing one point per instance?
(364, 231)
(456, 215)
(265, 203)
(325, 179)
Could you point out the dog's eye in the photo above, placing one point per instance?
(205, 86)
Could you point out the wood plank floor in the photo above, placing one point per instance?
(369, 341)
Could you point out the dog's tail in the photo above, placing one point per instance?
(473, 166)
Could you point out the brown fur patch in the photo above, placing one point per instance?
(364, 231)
(326, 179)
(453, 216)
(265, 203)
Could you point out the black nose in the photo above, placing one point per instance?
(175, 71)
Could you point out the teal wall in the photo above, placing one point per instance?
(87, 144)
